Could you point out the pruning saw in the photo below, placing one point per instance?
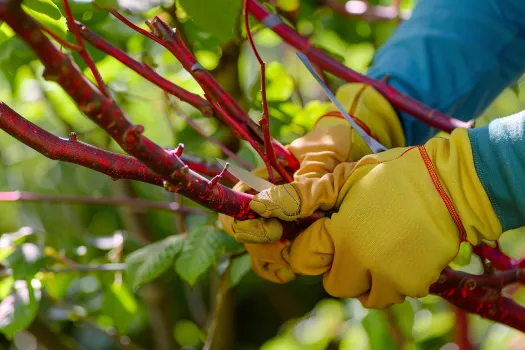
(259, 184)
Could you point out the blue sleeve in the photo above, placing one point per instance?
(455, 56)
(499, 157)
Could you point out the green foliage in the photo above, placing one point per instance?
(217, 17)
(188, 261)
(201, 249)
(26, 261)
(19, 309)
(144, 265)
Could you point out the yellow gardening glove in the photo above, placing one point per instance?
(401, 216)
(332, 141)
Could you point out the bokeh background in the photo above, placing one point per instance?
(200, 292)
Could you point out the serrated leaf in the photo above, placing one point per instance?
(201, 249)
(19, 309)
(121, 306)
(46, 7)
(145, 264)
(239, 267)
(217, 17)
(26, 261)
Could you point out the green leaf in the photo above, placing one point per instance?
(48, 17)
(145, 264)
(239, 267)
(19, 309)
(121, 306)
(217, 17)
(26, 261)
(201, 249)
(46, 7)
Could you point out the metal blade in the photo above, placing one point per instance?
(375, 146)
(248, 178)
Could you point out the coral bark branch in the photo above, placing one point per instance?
(145, 71)
(106, 114)
(215, 92)
(82, 49)
(398, 100)
(269, 158)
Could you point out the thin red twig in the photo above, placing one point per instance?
(210, 139)
(215, 92)
(61, 41)
(398, 100)
(145, 71)
(106, 114)
(82, 49)
(269, 158)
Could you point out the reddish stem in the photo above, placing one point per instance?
(82, 49)
(215, 91)
(462, 330)
(106, 114)
(498, 259)
(269, 158)
(61, 41)
(145, 71)
(398, 100)
(71, 150)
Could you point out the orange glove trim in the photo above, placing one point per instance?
(446, 198)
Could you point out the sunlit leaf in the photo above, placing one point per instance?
(26, 261)
(120, 305)
(47, 15)
(19, 309)
(239, 267)
(46, 7)
(217, 17)
(147, 263)
(201, 249)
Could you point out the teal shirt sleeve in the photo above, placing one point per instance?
(455, 56)
(499, 158)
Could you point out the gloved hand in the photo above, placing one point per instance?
(331, 142)
(401, 216)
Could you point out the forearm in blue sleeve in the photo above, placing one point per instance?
(454, 56)
(499, 157)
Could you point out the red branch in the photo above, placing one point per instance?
(145, 71)
(265, 120)
(398, 100)
(481, 294)
(82, 49)
(71, 150)
(177, 47)
(107, 115)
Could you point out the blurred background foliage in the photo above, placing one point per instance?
(166, 280)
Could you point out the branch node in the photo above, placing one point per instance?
(132, 135)
(170, 187)
(90, 107)
(217, 178)
(180, 148)
(73, 136)
(180, 172)
(197, 67)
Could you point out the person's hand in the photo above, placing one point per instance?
(400, 218)
(331, 142)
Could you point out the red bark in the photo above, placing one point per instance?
(107, 115)
(398, 100)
